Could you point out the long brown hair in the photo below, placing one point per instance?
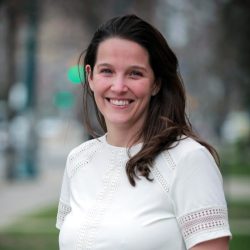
(166, 121)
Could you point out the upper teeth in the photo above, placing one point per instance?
(119, 102)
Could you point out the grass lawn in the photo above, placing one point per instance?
(240, 242)
(28, 241)
(37, 231)
(34, 232)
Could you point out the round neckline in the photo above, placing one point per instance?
(134, 149)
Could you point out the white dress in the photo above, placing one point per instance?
(100, 210)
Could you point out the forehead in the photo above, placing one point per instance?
(118, 48)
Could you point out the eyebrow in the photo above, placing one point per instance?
(132, 66)
(139, 67)
(104, 64)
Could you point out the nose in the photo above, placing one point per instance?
(119, 85)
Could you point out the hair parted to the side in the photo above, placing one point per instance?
(166, 121)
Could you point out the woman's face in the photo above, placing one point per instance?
(122, 81)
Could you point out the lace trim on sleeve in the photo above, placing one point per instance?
(203, 221)
(63, 211)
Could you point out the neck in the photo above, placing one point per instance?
(121, 138)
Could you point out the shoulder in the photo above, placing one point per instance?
(81, 155)
(169, 161)
(83, 148)
(184, 158)
(187, 148)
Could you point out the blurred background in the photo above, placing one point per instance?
(41, 99)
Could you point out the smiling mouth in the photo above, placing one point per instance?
(119, 102)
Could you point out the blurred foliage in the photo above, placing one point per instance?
(239, 210)
(236, 158)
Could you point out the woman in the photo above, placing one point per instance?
(149, 182)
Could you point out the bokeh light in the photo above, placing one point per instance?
(76, 74)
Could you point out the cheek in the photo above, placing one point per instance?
(95, 84)
(99, 88)
(142, 91)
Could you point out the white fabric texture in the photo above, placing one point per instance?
(100, 210)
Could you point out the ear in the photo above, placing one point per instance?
(89, 76)
(156, 88)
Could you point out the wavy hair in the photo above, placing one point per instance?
(166, 120)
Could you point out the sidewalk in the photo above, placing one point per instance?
(56, 138)
(23, 197)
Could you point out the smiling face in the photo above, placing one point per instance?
(122, 82)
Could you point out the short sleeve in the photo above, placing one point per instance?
(64, 207)
(199, 199)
